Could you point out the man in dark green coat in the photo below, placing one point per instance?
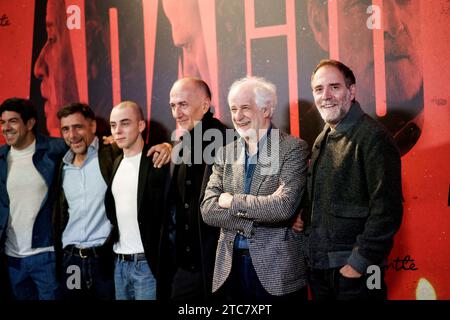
(355, 193)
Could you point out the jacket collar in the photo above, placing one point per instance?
(204, 123)
(41, 144)
(4, 150)
(350, 119)
(92, 150)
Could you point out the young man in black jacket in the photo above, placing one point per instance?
(134, 206)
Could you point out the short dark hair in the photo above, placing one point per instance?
(24, 107)
(76, 107)
(349, 77)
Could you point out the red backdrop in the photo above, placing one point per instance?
(105, 51)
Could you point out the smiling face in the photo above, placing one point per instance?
(17, 133)
(55, 67)
(332, 97)
(78, 133)
(248, 119)
(188, 103)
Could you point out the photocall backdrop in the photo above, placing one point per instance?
(105, 51)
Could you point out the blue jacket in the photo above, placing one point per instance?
(46, 157)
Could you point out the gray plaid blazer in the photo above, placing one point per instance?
(265, 215)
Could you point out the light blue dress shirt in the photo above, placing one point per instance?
(84, 188)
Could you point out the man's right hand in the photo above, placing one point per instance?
(161, 154)
(108, 140)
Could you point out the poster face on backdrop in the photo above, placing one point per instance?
(105, 51)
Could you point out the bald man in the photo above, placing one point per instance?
(188, 244)
(136, 224)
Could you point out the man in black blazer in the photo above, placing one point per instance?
(188, 245)
(133, 205)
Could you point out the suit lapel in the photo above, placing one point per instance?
(168, 180)
(265, 159)
(314, 156)
(317, 145)
(105, 159)
(144, 169)
(238, 168)
(116, 166)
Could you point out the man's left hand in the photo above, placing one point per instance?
(348, 272)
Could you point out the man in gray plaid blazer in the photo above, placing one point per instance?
(252, 195)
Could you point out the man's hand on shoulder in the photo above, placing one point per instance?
(108, 140)
(161, 154)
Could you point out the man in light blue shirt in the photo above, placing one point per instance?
(81, 226)
(83, 186)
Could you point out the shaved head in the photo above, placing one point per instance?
(133, 105)
(190, 99)
(127, 123)
(195, 84)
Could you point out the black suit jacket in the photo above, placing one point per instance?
(150, 203)
(204, 236)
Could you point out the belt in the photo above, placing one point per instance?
(131, 257)
(83, 252)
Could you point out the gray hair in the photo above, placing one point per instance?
(265, 92)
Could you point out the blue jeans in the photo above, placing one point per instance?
(134, 280)
(97, 278)
(33, 277)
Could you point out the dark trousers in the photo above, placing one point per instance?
(187, 286)
(243, 284)
(96, 272)
(330, 284)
